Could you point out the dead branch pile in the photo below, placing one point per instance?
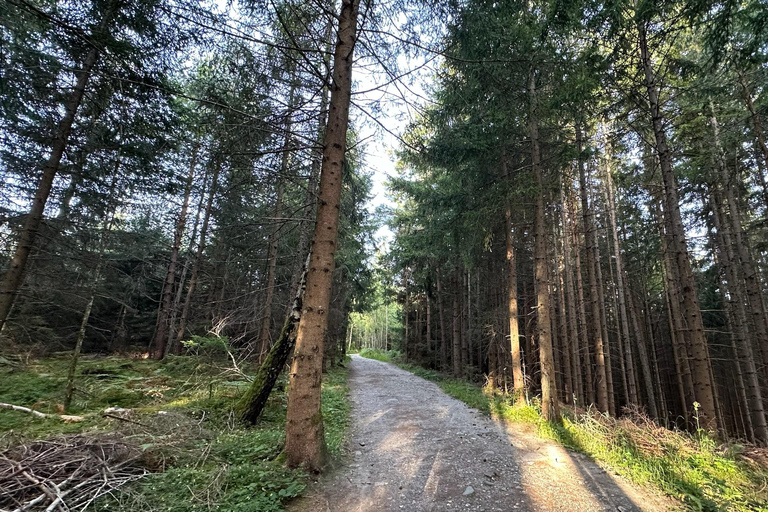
(67, 473)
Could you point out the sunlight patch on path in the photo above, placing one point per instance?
(414, 448)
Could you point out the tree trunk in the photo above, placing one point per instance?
(642, 355)
(456, 355)
(466, 352)
(594, 296)
(562, 336)
(314, 170)
(198, 257)
(443, 340)
(304, 439)
(92, 295)
(274, 240)
(163, 317)
(604, 326)
(512, 315)
(573, 334)
(747, 373)
(623, 316)
(429, 323)
(704, 394)
(252, 403)
(732, 223)
(170, 345)
(582, 307)
(14, 275)
(550, 408)
(406, 311)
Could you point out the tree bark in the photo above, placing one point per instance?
(674, 319)
(747, 375)
(642, 354)
(252, 403)
(622, 302)
(443, 340)
(274, 236)
(92, 295)
(573, 333)
(304, 439)
(594, 297)
(456, 355)
(583, 329)
(562, 336)
(703, 391)
(512, 314)
(733, 225)
(198, 256)
(170, 345)
(163, 317)
(550, 408)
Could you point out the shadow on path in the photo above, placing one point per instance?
(413, 448)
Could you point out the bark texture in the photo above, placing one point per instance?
(304, 439)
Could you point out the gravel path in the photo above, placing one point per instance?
(414, 448)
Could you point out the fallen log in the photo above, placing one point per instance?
(66, 418)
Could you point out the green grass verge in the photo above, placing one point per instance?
(204, 460)
(702, 474)
(388, 356)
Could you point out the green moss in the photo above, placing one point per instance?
(211, 461)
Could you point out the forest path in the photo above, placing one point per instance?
(414, 448)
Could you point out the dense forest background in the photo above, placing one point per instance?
(579, 209)
(179, 145)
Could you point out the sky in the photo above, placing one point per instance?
(397, 103)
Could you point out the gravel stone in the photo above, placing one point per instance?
(428, 452)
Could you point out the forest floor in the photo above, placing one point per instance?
(413, 447)
(155, 436)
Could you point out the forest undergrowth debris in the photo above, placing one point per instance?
(155, 436)
(67, 473)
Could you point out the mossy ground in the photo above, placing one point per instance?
(202, 458)
(705, 475)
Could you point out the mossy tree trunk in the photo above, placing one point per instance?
(252, 403)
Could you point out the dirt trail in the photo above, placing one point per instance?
(414, 448)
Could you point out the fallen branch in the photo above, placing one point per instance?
(253, 401)
(66, 418)
(68, 473)
(116, 417)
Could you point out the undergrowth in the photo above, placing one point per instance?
(201, 458)
(704, 475)
(387, 356)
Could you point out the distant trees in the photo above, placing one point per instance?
(608, 178)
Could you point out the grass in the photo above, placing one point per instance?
(704, 475)
(388, 356)
(202, 458)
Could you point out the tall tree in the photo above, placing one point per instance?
(305, 441)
